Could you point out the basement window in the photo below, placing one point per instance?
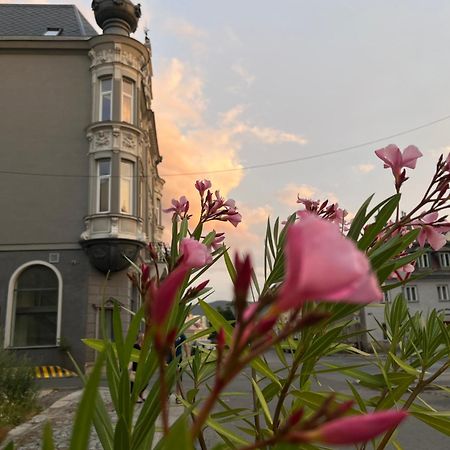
(53, 32)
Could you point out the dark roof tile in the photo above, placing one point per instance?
(33, 20)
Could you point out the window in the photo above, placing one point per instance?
(444, 259)
(127, 100)
(411, 294)
(443, 293)
(33, 311)
(126, 187)
(423, 261)
(103, 185)
(53, 32)
(106, 99)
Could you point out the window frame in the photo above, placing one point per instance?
(98, 185)
(411, 288)
(11, 307)
(424, 257)
(132, 183)
(444, 260)
(443, 288)
(131, 97)
(104, 93)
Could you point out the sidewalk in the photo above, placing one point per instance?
(28, 436)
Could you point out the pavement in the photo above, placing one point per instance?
(28, 436)
(60, 397)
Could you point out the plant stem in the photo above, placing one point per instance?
(202, 416)
(163, 395)
(420, 386)
(284, 391)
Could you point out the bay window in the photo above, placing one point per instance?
(127, 188)
(103, 185)
(105, 108)
(127, 100)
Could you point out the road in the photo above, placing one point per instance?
(413, 434)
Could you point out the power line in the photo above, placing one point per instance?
(255, 166)
(318, 155)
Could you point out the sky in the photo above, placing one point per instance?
(244, 83)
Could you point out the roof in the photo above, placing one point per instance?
(35, 20)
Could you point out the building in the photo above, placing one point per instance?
(80, 192)
(431, 291)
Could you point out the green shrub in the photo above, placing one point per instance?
(18, 389)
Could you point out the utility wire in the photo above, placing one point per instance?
(255, 166)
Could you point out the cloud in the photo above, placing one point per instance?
(233, 118)
(365, 168)
(179, 94)
(243, 73)
(187, 143)
(187, 33)
(184, 29)
(288, 195)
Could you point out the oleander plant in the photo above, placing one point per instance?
(320, 270)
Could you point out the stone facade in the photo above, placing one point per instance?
(431, 291)
(80, 190)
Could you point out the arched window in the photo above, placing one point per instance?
(34, 306)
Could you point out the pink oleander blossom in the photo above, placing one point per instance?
(180, 207)
(321, 264)
(162, 297)
(397, 160)
(202, 186)
(447, 163)
(195, 254)
(357, 429)
(234, 218)
(432, 231)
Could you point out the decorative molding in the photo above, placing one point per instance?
(128, 141)
(102, 139)
(117, 55)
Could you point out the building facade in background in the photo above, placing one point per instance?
(80, 192)
(430, 291)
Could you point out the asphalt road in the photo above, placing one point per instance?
(413, 434)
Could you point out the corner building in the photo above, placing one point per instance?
(80, 192)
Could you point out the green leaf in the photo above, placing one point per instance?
(358, 398)
(178, 437)
(230, 266)
(263, 403)
(86, 409)
(438, 420)
(96, 344)
(47, 440)
(406, 367)
(121, 436)
(359, 220)
(224, 432)
(381, 219)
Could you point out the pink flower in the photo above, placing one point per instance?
(447, 163)
(321, 264)
(234, 218)
(397, 160)
(179, 207)
(195, 254)
(162, 297)
(432, 230)
(202, 186)
(218, 241)
(355, 429)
